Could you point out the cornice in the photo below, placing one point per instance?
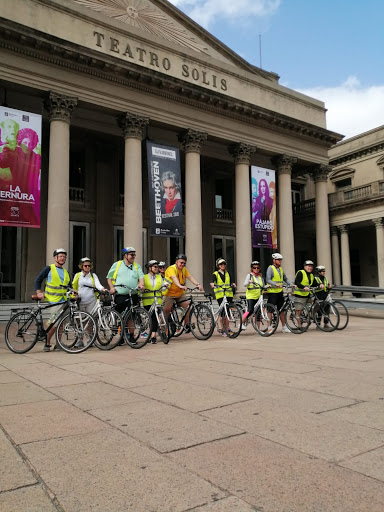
(88, 62)
(355, 155)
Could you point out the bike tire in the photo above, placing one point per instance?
(344, 315)
(265, 319)
(329, 314)
(109, 329)
(163, 327)
(176, 329)
(201, 322)
(76, 332)
(21, 332)
(291, 319)
(137, 327)
(234, 318)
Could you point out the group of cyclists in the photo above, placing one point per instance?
(167, 285)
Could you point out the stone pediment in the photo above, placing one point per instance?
(165, 21)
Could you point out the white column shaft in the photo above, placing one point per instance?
(286, 236)
(133, 202)
(335, 258)
(58, 188)
(193, 217)
(323, 238)
(345, 258)
(243, 222)
(380, 253)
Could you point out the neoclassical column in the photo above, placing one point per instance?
(242, 157)
(335, 255)
(192, 141)
(345, 257)
(380, 249)
(60, 108)
(323, 237)
(286, 240)
(133, 126)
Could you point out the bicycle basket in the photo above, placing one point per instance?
(106, 299)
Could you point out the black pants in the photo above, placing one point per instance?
(154, 321)
(124, 301)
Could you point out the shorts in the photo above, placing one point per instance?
(229, 299)
(277, 299)
(168, 300)
(303, 301)
(124, 301)
(54, 312)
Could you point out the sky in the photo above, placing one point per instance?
(331, 50)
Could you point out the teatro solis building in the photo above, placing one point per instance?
(106, 78)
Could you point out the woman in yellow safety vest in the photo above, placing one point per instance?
(153, 283)
(254, 284)
(221, 284)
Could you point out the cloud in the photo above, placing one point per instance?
(205, 12)
(353, 108)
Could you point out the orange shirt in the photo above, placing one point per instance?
(175, 291)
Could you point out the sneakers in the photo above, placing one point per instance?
(327, 328)
(57, 347)
(243, 327)
(224, 334)
(270, 329)
(132, 340)
(79, 344)
(285, 329)
(144, 335)
(47, 348)
(187, 329)
(153, 341)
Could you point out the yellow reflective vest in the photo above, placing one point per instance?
(156, 291)
(219, 292)
(54, 292)
(75, 282)
(304, 282)
(253, 288)
(277, 279)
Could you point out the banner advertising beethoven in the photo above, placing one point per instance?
(164, 182)
(263, 191)
(20, 164)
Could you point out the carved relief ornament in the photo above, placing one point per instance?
(284, 163)
(242, 152)
(192, 140)
(60, 107)
(133, 125)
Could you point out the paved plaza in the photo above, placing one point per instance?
(289, 423)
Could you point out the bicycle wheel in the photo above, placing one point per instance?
(201, 322)
(231, 316)
(163, 327)
(21, 332)
(137, 327)
(326, 316)
(295, 323)
(109, 329)
(175, 327)
(344, 314)
(76, 332)
(265, 319)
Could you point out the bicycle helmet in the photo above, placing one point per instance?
(181, 257)
(277, 256)
(83, 260)
(219, 261)
(59, 251)
(255, 263)
(127, 250)
(151, 263)
(161, 263)
(308, 262)
(319, 268)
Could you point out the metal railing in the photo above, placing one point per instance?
(307, 206)
(224, 215)
(77, 195)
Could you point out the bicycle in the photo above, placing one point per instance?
(343, 311)
(230, 313)
(109, 322)
(323, 310)
(75, 331)
(137, 325)
(265, 317)
(201, 322)
(295, 323)
(158, 310)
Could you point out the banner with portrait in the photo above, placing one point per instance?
(20, 168)
(263, 201)
(164, 181)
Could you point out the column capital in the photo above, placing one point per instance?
(320, 172)
(379, 222)
(60, 107)
(192, 140)
(343, 228)
(242, 152)
(284, 163)
(133, 125)
(334, 231)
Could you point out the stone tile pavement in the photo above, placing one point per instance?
(290, 423)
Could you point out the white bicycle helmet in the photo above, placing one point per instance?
(277, 256)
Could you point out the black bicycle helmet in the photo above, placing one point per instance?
(181, 257)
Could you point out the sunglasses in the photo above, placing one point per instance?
(321, 270)
(131, 254)
(255, 267)
(85, 266)
(181, 262)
